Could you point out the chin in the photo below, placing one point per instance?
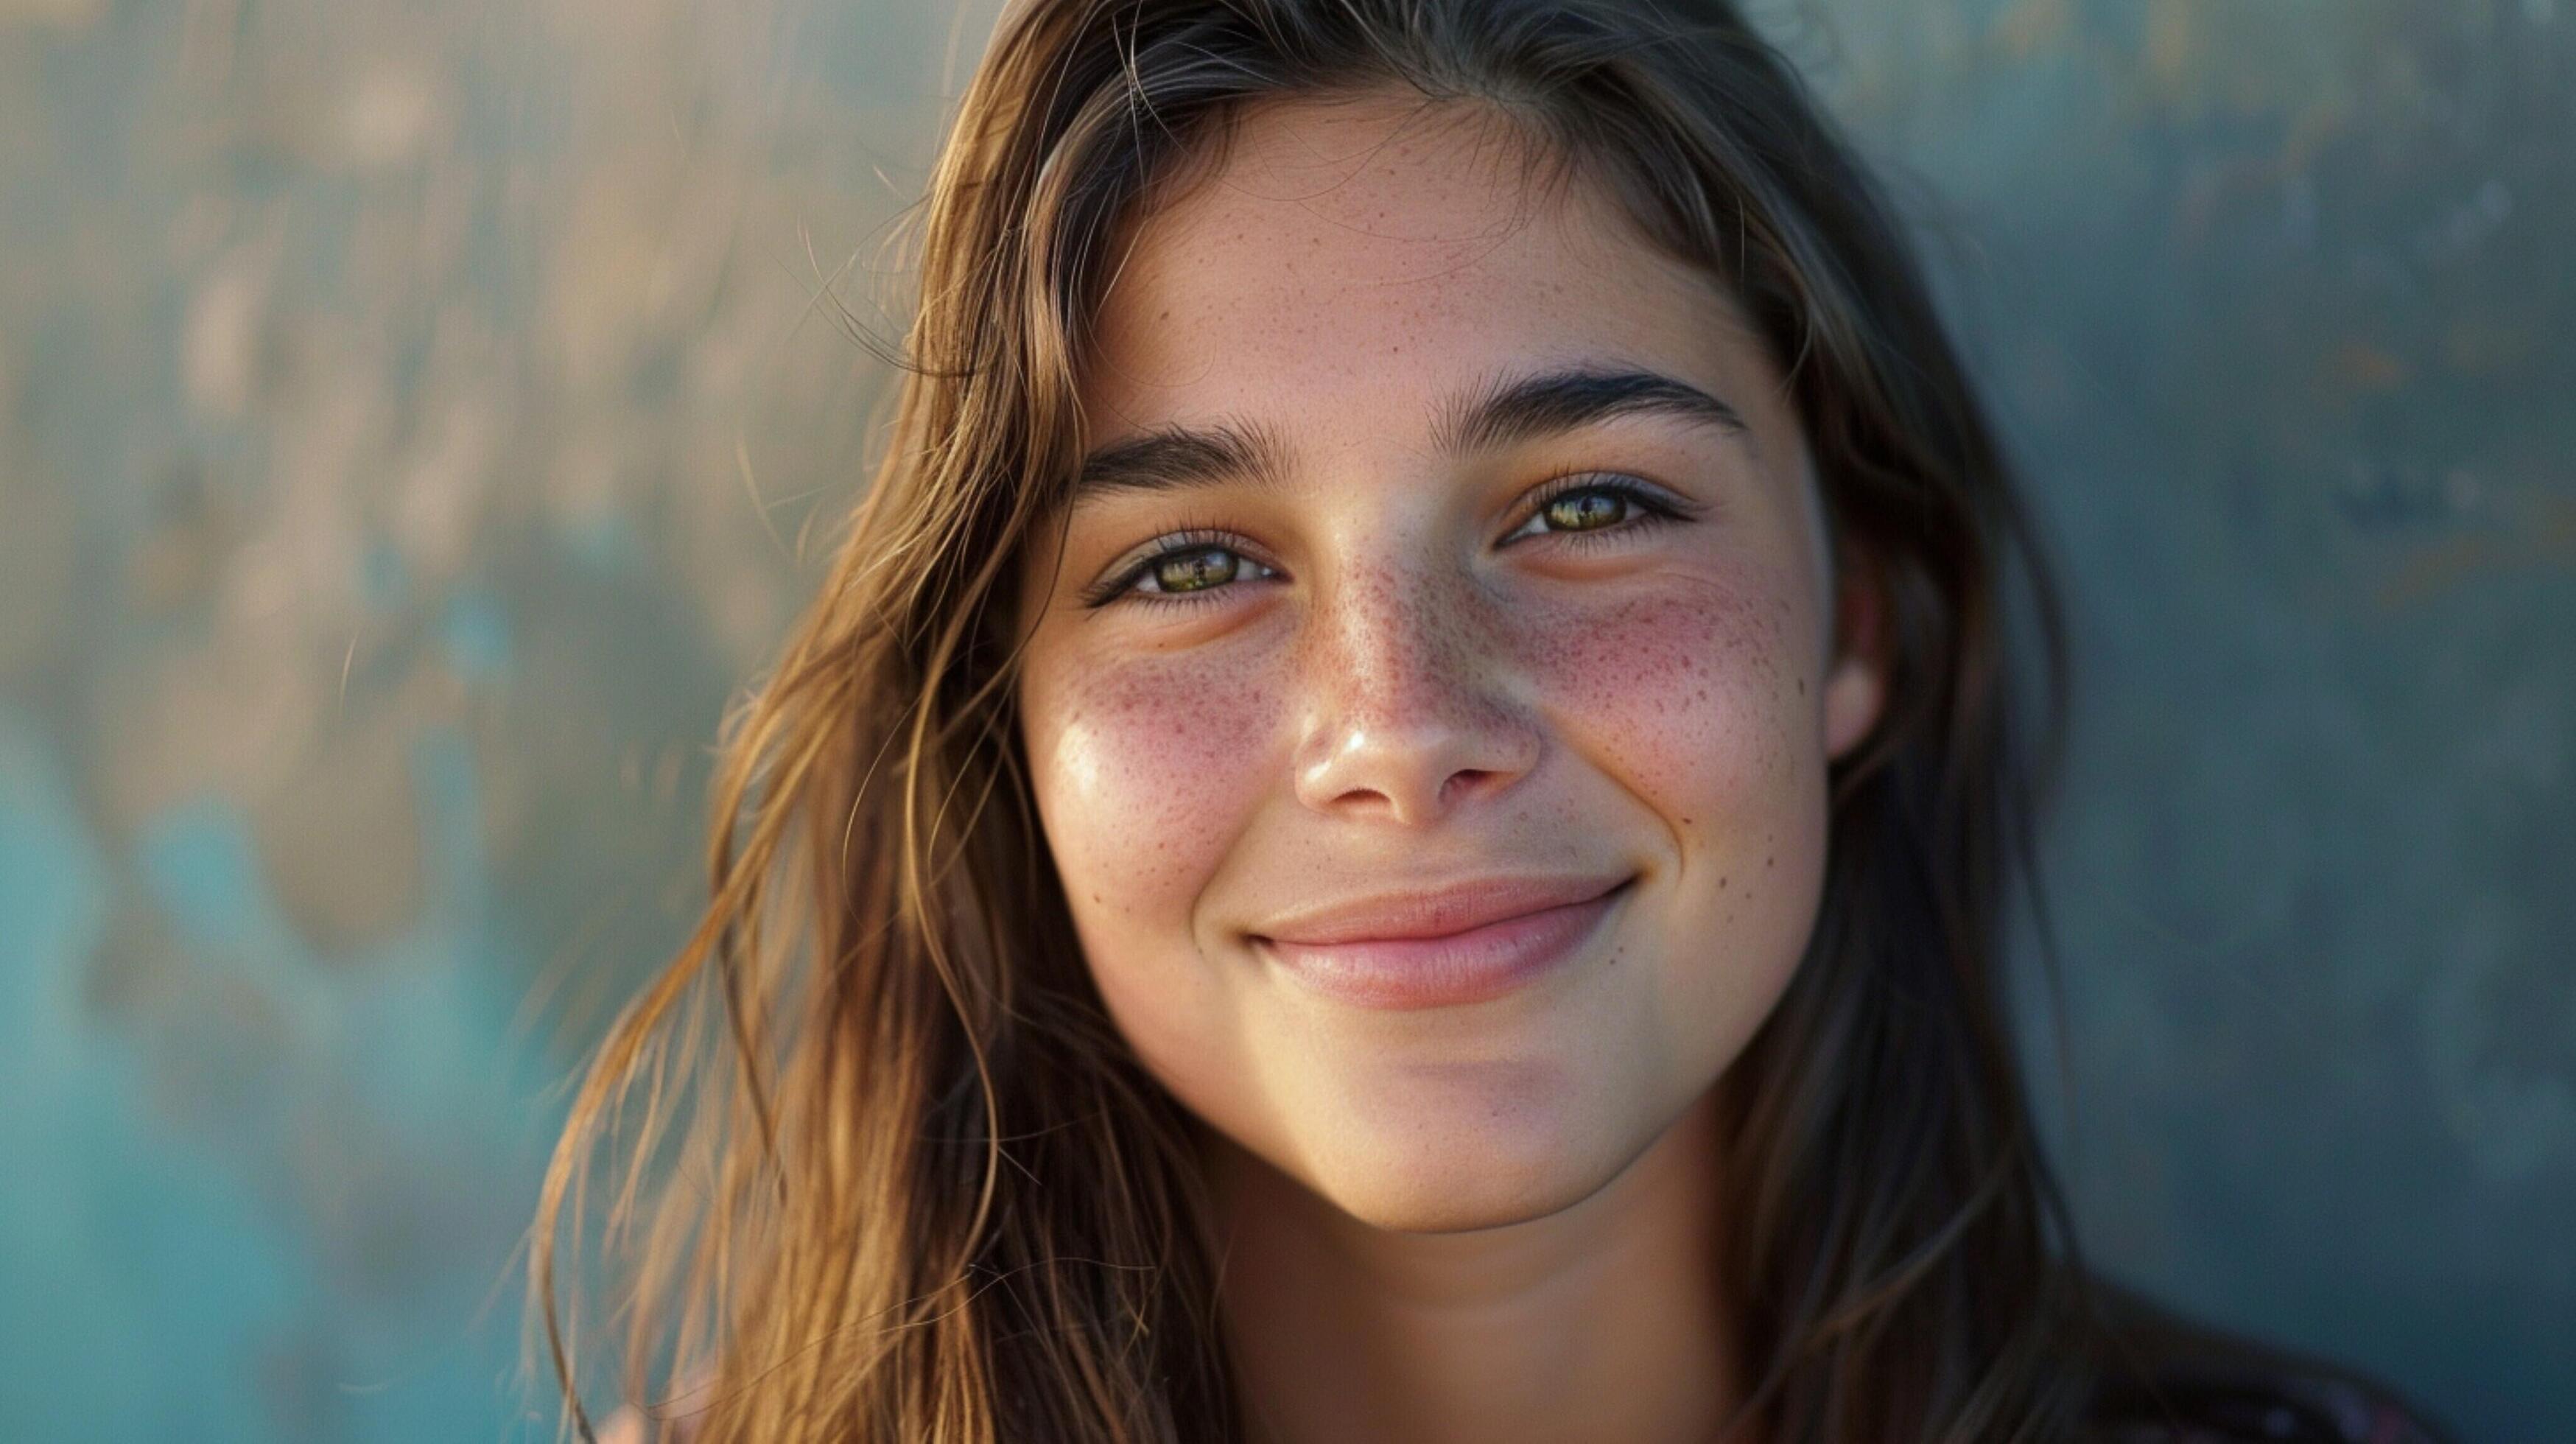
(1469, 1212)
(1452, 1176)
(1460, 1195)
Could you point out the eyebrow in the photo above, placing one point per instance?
(1503, 412)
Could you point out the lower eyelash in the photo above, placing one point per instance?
(1605, 536)
(1180, 599)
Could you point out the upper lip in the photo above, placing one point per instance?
(1437, 910)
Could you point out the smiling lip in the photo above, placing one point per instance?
(1457, 945)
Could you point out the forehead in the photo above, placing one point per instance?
(1347, 258)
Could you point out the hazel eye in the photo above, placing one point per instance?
(1192, 567)
(1194, 570)
(1588, 506)
(1585, 510)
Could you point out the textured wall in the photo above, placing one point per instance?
(2277, 300)
(409, 415)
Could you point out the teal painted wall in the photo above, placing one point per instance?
(410, 414)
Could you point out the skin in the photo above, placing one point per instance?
(1492, 1220)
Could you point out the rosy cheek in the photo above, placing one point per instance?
(1148, 767)
(1685, 691)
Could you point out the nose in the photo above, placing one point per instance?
(1409, 709)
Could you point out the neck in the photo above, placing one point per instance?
(1604, 1320)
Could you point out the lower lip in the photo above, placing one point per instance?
(1442, 972)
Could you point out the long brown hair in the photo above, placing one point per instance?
(882, 1166)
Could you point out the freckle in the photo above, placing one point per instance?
(1802, 686)
(1766, 862)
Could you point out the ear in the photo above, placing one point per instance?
(1856, 680)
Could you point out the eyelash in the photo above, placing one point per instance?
(1652, 508)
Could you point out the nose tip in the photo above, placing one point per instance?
(1412, 712)
(1406, 774)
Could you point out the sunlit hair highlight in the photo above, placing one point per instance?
(878, 1166)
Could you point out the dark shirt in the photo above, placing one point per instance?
(2219, 1407)
(2187, 1385)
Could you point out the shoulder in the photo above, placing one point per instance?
(672, 1421)
(629, 1426)
(2163, 1380)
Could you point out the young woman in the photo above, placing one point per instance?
(1394, 823)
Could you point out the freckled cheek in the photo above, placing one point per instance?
(1689, 695)
(1146, 771)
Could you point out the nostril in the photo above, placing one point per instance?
(1477, 784)
(1463, 781)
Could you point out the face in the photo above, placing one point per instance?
(1429, 694)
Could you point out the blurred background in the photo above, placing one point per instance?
(411, 419)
